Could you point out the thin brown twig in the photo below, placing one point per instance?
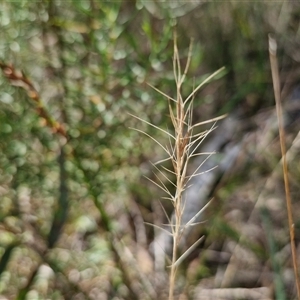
(20, 79)
(276, 86)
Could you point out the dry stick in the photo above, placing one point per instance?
(276, 86)
(19, 79)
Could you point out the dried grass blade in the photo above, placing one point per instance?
(210, 120)
(160, 228)
(169, 220)
(152, 138)
(191, 221)
(162, 93)
(162, 188)
(201, 173)
(276, 86)
(188, 62)
(194, 174)
(203, 83)
(164, 175)
(154, 126)
(162, 160)
(187, 252)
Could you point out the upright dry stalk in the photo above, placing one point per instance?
(276, 86)
(183, 145)
(179, 158)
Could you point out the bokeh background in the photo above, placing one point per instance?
(73, 211)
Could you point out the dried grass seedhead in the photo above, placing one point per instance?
(182, 147)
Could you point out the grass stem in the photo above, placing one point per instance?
(276, 86)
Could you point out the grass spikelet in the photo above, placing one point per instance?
(183, 147)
